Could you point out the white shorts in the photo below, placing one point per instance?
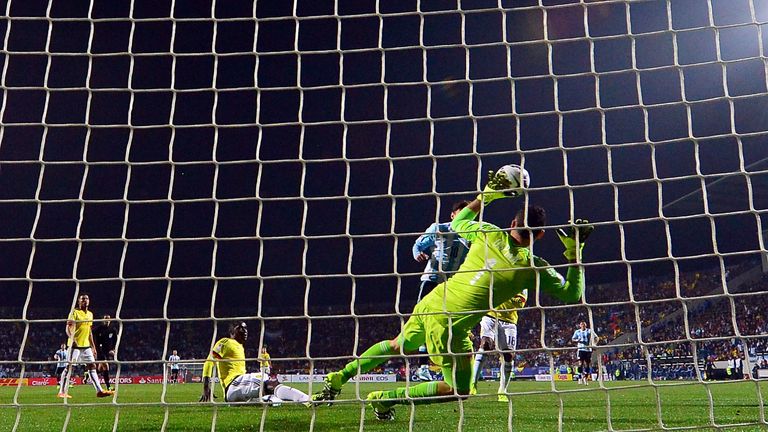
(82, 355)
(244, 388)
(266, 370)
(504, 334)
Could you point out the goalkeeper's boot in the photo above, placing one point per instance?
(331, 388)
(382, 410)
(473, 389)
(503, 397)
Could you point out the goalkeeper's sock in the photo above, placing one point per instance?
(382, 350)
(95, 380)
(478, 366)
(416, 393)
(291, 394)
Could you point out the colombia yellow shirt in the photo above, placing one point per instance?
(264, 362)
(83, 322)
(232, 364)
(507, 311)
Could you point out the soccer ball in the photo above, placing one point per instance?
(518, 177)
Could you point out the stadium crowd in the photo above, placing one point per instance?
(544, 332)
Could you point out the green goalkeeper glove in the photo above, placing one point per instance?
(581, 229)
(494, 189)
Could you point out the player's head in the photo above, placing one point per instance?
(457, 207)
(583, 325)
(63, 346)
(529, 224)
(239, 331)
(107, 319)
(175, 353)
(83, 301)
(264, 348)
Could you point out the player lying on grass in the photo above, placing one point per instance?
(228, 356)
(499, 266)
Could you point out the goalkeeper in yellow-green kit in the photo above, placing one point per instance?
(499, 266)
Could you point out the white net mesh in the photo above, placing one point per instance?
(192, 163)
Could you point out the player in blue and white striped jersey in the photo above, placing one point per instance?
(584, 338)
(61, 356)
(442, 249)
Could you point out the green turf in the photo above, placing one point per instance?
(533, 407)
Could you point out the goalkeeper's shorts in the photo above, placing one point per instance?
(447, 346)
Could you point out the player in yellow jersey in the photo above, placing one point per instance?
(498, 331)
(81, 346)
(264, 362)
(228, 356)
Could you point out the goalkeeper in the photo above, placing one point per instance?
(499, 266)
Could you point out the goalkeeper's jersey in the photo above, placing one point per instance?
(495, 270)
(232, 363)
(507, 311)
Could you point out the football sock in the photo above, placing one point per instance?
(477, 367)
(291, 394)
(105, 375)
(64, 381)
(366, 361)
(95, 380)
(506, 376)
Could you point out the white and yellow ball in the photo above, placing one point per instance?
(518, 177)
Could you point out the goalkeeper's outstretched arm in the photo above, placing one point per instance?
(568, 289)
(571, 288)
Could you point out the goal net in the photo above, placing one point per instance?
(193, 164)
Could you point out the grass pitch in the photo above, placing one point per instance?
(533, 407)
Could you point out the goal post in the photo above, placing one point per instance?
(194, 164)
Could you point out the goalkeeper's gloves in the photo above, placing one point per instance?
(495, 188)
(581, 229)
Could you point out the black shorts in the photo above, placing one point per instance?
(174, 372)
(59, 370)
(104, 354)
(585, 356)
